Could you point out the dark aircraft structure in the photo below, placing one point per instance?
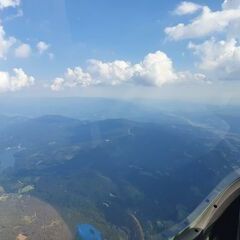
(218, 217)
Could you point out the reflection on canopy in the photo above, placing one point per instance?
(23, 217)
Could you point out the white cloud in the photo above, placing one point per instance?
(72, 78)
(185, 8)
(9, 3)
(231, 4)
(156, 69)
(23, 51)
(187, 76)
(15, 82)
(5, 43)
(219, 59)
(208, 22)
(42, 47)
(110, 73)
(58, 84)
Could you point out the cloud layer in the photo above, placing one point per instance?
(156, 69)
(217, 58)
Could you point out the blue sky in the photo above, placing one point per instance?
(47, 37)
(97, 29)
(108, 30)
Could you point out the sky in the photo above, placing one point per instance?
(122, 48)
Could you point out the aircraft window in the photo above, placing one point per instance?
(119, 119)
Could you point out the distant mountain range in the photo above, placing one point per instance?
(100, 171)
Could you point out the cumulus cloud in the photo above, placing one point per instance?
(156, 69)
(219, 59)
(110, 73)
(9, 3)
(58, 84)
(207, 22)
(42, 47)
(17, 81)
(5, 43)
(185, 8)
(23, 51)
(72, 78)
